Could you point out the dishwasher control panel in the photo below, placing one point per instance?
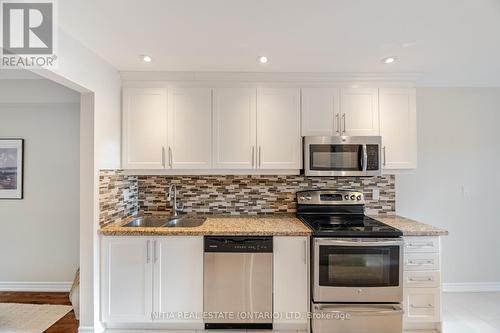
(238, 244)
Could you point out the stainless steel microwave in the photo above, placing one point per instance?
(342, 155)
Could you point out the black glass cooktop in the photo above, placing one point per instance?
(348, 225)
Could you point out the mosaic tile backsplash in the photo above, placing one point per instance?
(254, 194)
(113, 205)
(235, 195)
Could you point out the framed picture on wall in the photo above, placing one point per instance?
(11, 168)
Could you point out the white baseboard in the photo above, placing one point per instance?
(85, 329)
(36, 286)
(471, 287)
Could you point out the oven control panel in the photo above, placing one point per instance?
(330, 197)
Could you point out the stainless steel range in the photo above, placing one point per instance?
(357, 263)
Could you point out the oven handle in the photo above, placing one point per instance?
(372, 242)
(395, 311)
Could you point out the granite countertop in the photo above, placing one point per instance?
(411, 227)
(245, 225)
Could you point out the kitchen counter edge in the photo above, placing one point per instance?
(218, 226)
(410, 227)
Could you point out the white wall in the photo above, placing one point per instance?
(100, 145)
(39, 236)
(457, 183)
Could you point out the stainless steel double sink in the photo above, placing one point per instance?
(165, 222)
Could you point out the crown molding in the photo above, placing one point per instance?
(269, 77)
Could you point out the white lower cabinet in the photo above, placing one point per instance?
(291, 282)
(178, 280)
(127, 280)
(147, 281)
(422, 283)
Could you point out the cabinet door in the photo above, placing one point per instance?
(359, 111)
(126, 292)
(178, 279)
(234, 128)
(190, 130)
(144, 128)
(398, 128)
(278, 128)
(422, 305)
(291, 286)
(320, 112)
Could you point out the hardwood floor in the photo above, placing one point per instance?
(67, 324)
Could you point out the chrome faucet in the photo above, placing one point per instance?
(172, 198)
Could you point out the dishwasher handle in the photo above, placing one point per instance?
(238, 244)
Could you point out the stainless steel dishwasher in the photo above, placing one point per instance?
(238, 282)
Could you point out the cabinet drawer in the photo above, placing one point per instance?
(421, 244)
(422, 305)
(421, 262)
(422, 279)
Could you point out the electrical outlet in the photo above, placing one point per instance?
(376, 194)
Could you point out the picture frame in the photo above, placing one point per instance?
(11, 168)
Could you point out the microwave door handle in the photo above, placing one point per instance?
(364, 159)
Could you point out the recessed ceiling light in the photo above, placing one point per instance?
(263, 59)
(389, 60)
(146, 58)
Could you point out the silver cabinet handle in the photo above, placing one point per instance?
(305, 252)
(343, 118)
(424, 279)
(383, 151)
(337, 117)
(148, 258)
(163, 156)
(155, 258)
(428, 306)
(170, 156)
(420, 245)
(423, 262)
(253, 156)
(260, 157)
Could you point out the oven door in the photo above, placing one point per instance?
(358, 270)
(342, 156)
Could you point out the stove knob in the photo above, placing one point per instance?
(346, 196)
(358, 197)
(308, 197)
(353, 197)
(302, 198)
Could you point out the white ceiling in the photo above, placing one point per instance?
(450, 42)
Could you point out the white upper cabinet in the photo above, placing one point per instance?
(398, 128)
(190, 130)
(278, 128)
(144, 128)
(359, 111)
(126, 279)
(234, 128)
(320, 112)
(245, 128)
